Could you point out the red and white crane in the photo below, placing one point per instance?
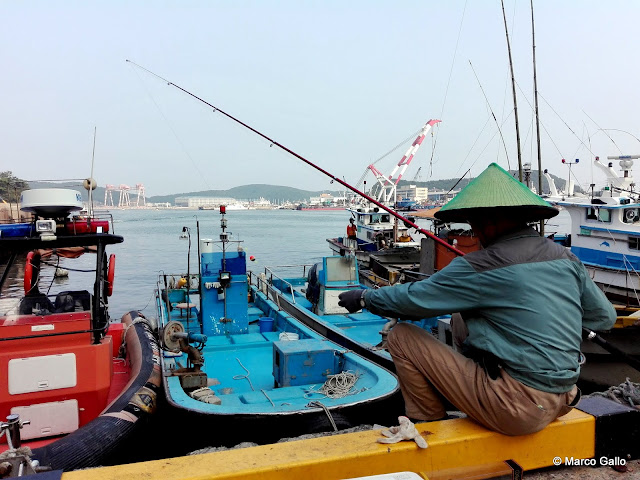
(385, 189)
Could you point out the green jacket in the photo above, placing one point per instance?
(524, 299)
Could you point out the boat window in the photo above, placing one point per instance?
(375, 219)
(630, 215)
(386, 218)
(634, 243)
(604, 215)
(599, 214)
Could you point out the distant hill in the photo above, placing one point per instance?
(273, 193)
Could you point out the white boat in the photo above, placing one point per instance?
(231, 206)
(605, 228)
(237, 206)
(261, 204)
(377, 231)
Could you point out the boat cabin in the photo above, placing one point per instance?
(605, 227)
(378, 229)
(55, 351)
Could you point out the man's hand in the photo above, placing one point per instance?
(352, 300)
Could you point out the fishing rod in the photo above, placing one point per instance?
(615, 351)
(308, 162)
(506, 152)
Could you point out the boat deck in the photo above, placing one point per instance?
(363, 326)
(243, 370)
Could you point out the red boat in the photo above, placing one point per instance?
(73, 385)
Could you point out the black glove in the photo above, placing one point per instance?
(352, 300)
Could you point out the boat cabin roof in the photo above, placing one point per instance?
(601, 202)
(368, 211)
(18, 244)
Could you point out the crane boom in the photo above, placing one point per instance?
(387, 185)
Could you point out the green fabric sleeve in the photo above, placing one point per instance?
(598, 314)
(448, 290)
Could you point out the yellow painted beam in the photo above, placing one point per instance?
(455, 446)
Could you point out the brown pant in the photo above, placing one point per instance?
(426, 366)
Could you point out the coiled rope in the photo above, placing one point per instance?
(625, 393)
(139, 319)
(337, 386)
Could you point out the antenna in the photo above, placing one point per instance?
(92, 182)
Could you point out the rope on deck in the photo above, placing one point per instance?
(241, 377)
(627, 393)
(336, 386)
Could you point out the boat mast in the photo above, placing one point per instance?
(91, 181)
(513, 88)
(535, 99)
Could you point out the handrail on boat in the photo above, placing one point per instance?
(268, 272)
(163, 285)
(266, 269)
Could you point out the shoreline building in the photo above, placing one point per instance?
(412, 193)
(196, 202)
(327, 200)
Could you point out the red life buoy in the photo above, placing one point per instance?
(28, 273)
(111, 273)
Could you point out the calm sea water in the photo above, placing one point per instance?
(152, 245)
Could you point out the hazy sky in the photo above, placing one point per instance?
(339, 82)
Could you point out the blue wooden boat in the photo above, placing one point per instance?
(312, 298)
(242, 368)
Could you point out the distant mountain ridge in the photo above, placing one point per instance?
(273, 193)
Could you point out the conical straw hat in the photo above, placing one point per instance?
(496, 193)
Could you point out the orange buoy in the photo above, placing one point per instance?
(28, 273)
(111, 273)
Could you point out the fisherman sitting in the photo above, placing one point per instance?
(523, 301)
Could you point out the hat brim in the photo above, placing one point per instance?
(524, 213)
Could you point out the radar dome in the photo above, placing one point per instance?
(51, 202)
